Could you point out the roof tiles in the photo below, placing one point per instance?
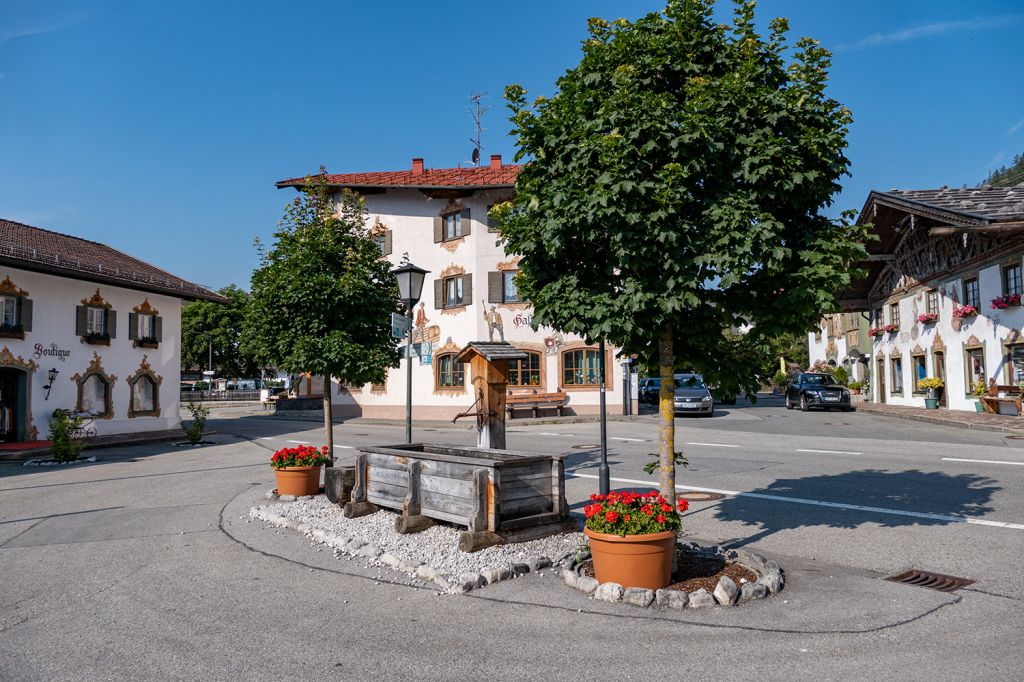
(479, 177)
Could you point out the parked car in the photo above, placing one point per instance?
(648, 390)
(812, 390)
(692, 396)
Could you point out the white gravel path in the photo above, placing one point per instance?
(432, 555)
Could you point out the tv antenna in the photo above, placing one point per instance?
(477, 111)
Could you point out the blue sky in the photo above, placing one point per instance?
(160, 127)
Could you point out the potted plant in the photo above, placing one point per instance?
(1005, 301)
(298, 469)
(961, 312)
(855, 386)
(928, 318)
(932, 385)
(632, 537)
(979, 390)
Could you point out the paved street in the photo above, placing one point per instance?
(140, 567)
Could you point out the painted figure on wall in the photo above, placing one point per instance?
(494, 323)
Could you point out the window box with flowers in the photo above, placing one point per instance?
(891, 328)
(632, 537)
(12, 331)
(298, 469)
(876, 331)
(1005, 301)
(961, 313)
(928, 318)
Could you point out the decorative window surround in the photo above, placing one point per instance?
(15, 310)
(144, 373)
(448, 349)
(96, 369)
(84, 318)
(141, 333)
(577, 346)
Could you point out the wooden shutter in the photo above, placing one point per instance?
(81, 320)
(25, 313)
(438, 294)
(133, 326)
(387, 243)
(466, 223)
(494, 287)
(467, 289)
(438, 229)
(158, 328)
(112, 324)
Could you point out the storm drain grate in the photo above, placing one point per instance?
(587, 446)
(695, 496)
(933, 581)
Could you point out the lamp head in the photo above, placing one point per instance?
(410, 283)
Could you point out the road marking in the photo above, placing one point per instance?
(819, 503)
(715, 445)
(981, 461)
(543, 433)
(265, 438)
(344, 447)
(833, 452)
(300, 442)
(631, 440)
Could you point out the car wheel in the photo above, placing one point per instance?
(803, 403)
(789, 405)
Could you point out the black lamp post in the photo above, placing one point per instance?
(410, 286)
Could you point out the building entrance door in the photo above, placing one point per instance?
(880, 380)
(13, 404)
(940, 372)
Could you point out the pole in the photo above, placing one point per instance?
(603, 470)
(408, 378)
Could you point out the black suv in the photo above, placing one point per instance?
(817, 391)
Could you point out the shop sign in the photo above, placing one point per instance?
(53, 351)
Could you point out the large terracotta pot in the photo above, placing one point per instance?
(633, 560)
(298, 480)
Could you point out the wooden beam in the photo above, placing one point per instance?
(943, 230)
(881, 257)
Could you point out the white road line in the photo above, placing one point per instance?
(833, 452)
(981, 461)
(265, 438)
(300, 442)
(630, 440)
(715, 445)
(542, 433)
(344, 447)
(819, 503)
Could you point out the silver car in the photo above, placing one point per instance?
(692, 396)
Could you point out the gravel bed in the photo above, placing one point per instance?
(55, 463)
(432, 555)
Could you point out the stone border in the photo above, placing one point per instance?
(355, 547)
(55, 463)
(770, 580)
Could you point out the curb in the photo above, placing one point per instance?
(357, 421)
(32, 453)
(940, 420)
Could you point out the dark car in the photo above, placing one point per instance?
(817, 391)
(648, 390)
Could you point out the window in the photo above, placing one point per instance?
(96, 321)
(933, 301)
(878, 317)
(380, 240)
(972, 295)
(1015, 365)
(453, 292)
(509, 290)
(920, 365)
(1012, 280)
(897, 375)
(144, 395)
(580, 368)
(975, 364)
(95, 395)
(449, 374)
(452, 226)
(144, 329)
(9, 309)
(525, 372)
(894, 314)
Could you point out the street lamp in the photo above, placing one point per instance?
(410, 286)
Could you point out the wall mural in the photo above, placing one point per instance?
(494, 324)
(553, 343)
(424, 336)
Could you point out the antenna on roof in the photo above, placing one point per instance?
(477, 111)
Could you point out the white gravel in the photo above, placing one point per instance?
(374, 539)
(55, 463)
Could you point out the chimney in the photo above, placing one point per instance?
(417, 166)
(495, 161)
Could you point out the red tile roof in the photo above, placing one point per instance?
(33, 248)
(471, 178)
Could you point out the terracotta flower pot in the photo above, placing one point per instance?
(298, 480)
(633, 560)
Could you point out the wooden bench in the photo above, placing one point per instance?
(534, 401)
(992, 403)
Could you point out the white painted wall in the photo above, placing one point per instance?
(54, 302)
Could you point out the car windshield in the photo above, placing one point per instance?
(689, 381)
(816, 379)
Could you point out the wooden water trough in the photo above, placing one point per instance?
(499, 495)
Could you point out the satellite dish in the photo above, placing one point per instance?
(476, 155)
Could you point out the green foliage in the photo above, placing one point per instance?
(855, 385)
(678, 460)
(199, 413)
(1008, 176)
(781, 379)
(203, 322)
(201, 385)
(632, 513)
(694, 161)
(322, 297)
(64, 446)
(840, 375)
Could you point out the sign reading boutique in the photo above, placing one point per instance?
(54, 351)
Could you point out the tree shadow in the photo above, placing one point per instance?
(849, 500)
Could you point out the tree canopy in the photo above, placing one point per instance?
(1007, 176)
(205, 324)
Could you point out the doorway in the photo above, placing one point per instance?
(880, 374)
(939, 360)
(13, 405)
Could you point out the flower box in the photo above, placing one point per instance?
(1005, 301)
(962, 311)
(97, 339)
(891, 328)
(928, 318)
(876, 331)
(12, 331)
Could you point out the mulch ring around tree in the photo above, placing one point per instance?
(696, 571)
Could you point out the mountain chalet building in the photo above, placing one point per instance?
(439, 218)
(942, 297)
(88, 329)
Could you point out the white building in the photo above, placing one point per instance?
(439, 218)
(88, 329)
(939, 251)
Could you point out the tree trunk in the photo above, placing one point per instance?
(667, 415)
(328, 420)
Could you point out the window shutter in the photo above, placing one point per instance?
(81, 321)
(466, 223)
(438, 295)
(112, 323)
(387, 243)
(25, 314)
(494, 287)
(133, 326)
(438, 229)
(158, 328)
(467, 289)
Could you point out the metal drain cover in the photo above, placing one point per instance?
(696, 496)
(588, 446)
(933, 581)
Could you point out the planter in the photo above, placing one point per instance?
(298, 481)
(978, 407)
(633, 561)
(931, 403)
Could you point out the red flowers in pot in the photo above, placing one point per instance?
(298, 469)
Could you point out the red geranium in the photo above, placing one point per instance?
(301, 456)
(631, 513)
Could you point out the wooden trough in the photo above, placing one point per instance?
(499, 495)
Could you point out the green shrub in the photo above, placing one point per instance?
(840, 375)
(199, 413)
(855, 385)
(781, 379)
(64, 447)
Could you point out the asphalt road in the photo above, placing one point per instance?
(139, 567)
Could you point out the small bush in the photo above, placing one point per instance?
(199, 413)
(855, 385)
(840, 375)
(781, 379)
(65, 447)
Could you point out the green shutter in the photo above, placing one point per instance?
(494, 294)
(158, 328)
(25, 314)
(133, 326)
(438, 295)
(111, 323)
(81, 320)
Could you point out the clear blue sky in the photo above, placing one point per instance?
(160, 127)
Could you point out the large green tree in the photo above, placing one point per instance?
(675, 191)
(215, 330)
(1007, 176)
(322, 296)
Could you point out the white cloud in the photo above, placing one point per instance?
(1015, 127)
(929, 30)
(9, 34)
